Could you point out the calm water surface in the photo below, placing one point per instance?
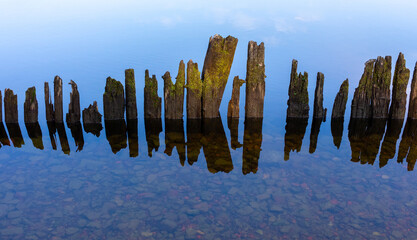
(221, 179)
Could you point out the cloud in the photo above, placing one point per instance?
(308, 18)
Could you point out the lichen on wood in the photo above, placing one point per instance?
(152, 102)
(130, 86)
(58, 105)
(174, 94)
(10, 107)
(113, 100)
(361, 104)
(399, 87)
(255, 80)
(216, 69)
(298, 94)
(381, 80)
(339, 105)
(194, 88)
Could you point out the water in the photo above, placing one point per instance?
(268, 179)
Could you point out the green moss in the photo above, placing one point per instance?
(30, 94)
(194, 82)
(130, 81)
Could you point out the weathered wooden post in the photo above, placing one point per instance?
(399, 87)
(91, 114)
(339, 105)
(381, 82)
(152, 102)
(216, 69)
(1, 108)
(412, 108)
(58, 105)
(318, 111)
(174, 94)
(255, 81)
(130, 86)
(73, 116)
(30, 106)
(10, 107)
(298, 94)
(49, 106)
(233, 107)
(194, 91)
(361, 107)
(113, 100)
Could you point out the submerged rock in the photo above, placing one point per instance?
(91, 114)
(194, 91)
(30, 106)
(399, 87)
(298, 94)
(361, 103)
(152, 102)
(339, 105)
(113, 100)
(49, 106)
(130, 86)
(255, 80)
(58, 105)
(217, 64)
(233, 108)
(174, 94)
(412, 108)
(73, 115)
(10, 107)
(318, 111)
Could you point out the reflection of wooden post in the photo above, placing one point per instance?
(174, 137)
(10, 106)
(412, 108)
(58, 106)
(194, 91)
(49, 106)
(216, 69)
(15, 134)
(318, 111)
(399, 87)
(152, 129)
(30, 106)
(152, 102)
(174, 94)
(116, 134)
(132, 137)
(113, 100)
(194, 136)
(252, 142)
(297, 94)
(73, 115)
(233, 107)
(255, 81)
(130, 86)
(339, 105)
(35, 134)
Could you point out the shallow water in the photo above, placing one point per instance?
(217, 179)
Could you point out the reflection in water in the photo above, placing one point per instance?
(15, 134)
(116, 134)
(252, 142)
(52, 131)
(174, 137)
(153, 126)
(337, 131)
(62, 134)
(408, 144)
(294, 134)
(314, 134)
(77, 134)
(94, 128)
(194, 135)
(215, 146)
(390, 141)
(233, 125)
(133, 139)
(4, 139)
(35, 134)
(365, 138)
